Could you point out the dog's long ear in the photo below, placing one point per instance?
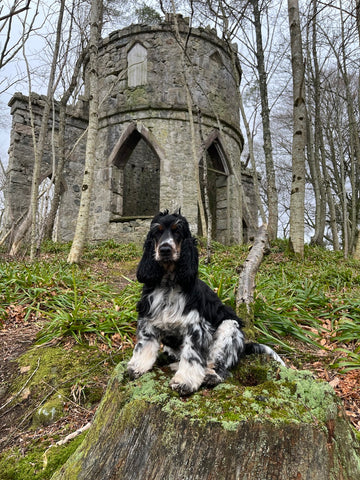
(188, 264)
(149, 271)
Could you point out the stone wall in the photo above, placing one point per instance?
(144, 159)
(21, 159)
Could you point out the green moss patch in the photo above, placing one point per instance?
(53, 372)
(51, 381)
(39, 462)
(255, 392)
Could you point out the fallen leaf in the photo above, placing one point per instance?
(25, 394)
(335, 382)
(25, 369)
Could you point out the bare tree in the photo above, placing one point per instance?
(62, 147)
(30, 219)
(96, 13)
(272, 196)
(10, 48)
(18, 6)
(297, 199)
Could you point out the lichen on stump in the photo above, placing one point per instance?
(265, 422)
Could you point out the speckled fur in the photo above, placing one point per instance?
(181, 313)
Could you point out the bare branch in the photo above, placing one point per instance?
(14, 11)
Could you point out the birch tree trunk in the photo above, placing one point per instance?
(39, 146)
(314, 136)
(190, 106)
(297, 198)
(49, 225)
(90, 154)
(246, 288)
(252, 159)
(272, 194)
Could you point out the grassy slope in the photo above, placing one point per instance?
(314, 302)
(309, 310)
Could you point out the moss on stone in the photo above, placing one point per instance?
(136, 96)
(58, 369)
(49, 373)
(49, 412)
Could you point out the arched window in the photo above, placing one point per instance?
(137, 65)
(135, 179)
(217, 172)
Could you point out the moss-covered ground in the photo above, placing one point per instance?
(308, 310)
(38, 461)
(56, 391)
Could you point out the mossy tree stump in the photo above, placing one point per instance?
(264, 423)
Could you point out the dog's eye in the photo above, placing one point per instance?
(174, 227)
(160, 228)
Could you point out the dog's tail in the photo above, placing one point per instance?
(259, 348)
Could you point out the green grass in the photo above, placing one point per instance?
(73, 300)
(293, 300)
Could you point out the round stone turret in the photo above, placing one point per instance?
(168, 108)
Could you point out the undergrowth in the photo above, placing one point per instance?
(294, 301)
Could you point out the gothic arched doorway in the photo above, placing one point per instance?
(216, 179)
(135, 181)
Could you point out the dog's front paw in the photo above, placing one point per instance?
(211, 379)
(185, 384)
(183, 389)
(133, 373)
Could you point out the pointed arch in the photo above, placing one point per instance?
(137, 65)
(135, 180)
(216, 58)
(218, 171)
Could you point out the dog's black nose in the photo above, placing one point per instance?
(165, 250)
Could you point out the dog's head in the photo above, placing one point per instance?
(169, 231)
(169, 247)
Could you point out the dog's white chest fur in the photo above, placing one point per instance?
(167, 310)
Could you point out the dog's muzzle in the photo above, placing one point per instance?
(165, 252)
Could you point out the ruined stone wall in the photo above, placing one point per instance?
(21, 159)
(144, 158)
(158, 107)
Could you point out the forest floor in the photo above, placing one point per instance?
(19, 332)
(18, 335)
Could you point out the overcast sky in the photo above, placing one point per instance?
(16, 70)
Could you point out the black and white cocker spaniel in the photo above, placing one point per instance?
(182, 313)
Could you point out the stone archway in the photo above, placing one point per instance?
(218, 171)
(135, 181)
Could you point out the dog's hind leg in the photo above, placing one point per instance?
(225, 351)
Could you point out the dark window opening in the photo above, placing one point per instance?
(246, 238)
(135, 179)
(216, 180)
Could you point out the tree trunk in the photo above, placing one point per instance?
(272, 194)
(285, 426)
(50, 221)
(246, 289)
(252, 159)
(297, 198)
(354, 145)
(31, 219)
(315, 140)
(88, 179)
(190, 106)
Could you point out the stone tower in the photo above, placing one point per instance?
(145, 161)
